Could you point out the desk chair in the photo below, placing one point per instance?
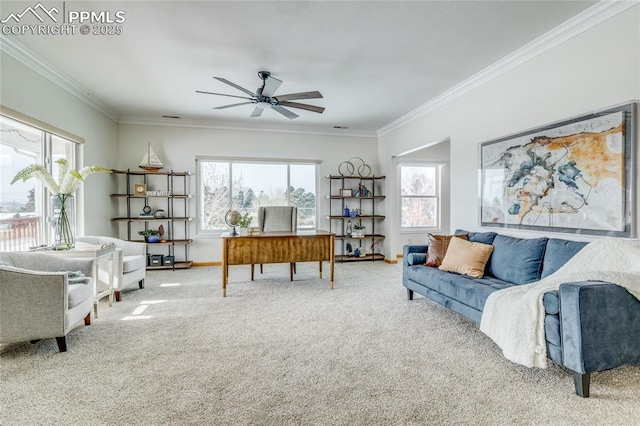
(278, 219)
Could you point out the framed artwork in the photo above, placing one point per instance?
(574, 176)
(140, 190)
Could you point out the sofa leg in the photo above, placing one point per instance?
(62, 343)
(409, 294)
(87, 319)
(582, 382)
(118, 295)
(141, 284)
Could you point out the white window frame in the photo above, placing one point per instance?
(437, 196)
(212, 233)
(42, 194)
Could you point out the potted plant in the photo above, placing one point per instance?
(243, 224)
(359, 230)
(146, 233)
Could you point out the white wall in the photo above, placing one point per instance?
(29, 93)
(178, 147)
(594, 70)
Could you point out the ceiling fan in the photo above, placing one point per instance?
(264, 97)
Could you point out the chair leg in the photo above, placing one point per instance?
(62, 343)
(118, 295)
(141, 283)
(87, 319)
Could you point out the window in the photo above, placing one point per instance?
(242, 185)
(24, 206)
(420, 196)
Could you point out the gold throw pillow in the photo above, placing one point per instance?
(466, 257)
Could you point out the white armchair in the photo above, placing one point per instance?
(130, 266)
(37, 300)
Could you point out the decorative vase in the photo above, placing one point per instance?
(243, 231)
(63, 221)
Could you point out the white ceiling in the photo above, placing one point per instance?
(373, 61)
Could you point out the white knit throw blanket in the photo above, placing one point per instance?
(514, 317)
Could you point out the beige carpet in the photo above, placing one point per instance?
(280, 353)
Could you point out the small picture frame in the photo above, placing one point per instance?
(346, 192)
(140, 190)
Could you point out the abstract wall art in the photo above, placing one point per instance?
(573, 176)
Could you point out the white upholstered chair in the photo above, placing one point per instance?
(277, 219)
(39, 299)
(130, 266)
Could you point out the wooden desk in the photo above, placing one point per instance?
(277, 247)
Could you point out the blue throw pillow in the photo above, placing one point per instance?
(558, 252)
(517, 260)
(478, 237)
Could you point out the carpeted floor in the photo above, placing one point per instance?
(280, 353)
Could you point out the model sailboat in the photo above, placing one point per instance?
(150, 162)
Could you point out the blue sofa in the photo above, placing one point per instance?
(589, 326)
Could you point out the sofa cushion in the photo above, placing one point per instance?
(465, 257)
(552, 329)
(478, 237)
(133, 263)
(78, 293)
(551, 302)
(416, 258)
(557, 253)
(438, 245)
(517, 260)
(468, 290)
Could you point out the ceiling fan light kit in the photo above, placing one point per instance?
(264, 97)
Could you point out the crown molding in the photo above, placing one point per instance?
(580, 23)
(20, 52)
(236, 125)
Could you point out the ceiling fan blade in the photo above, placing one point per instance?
(242, 89)
(301, 95)
(271, 84)
(284, 112)
(233, 105)
(302, 106)
(222, 94)
(257, 112)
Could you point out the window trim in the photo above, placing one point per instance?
(41, 125)
(46, 145)
(416, 163)
(208, 233)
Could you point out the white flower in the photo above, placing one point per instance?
(68, 182)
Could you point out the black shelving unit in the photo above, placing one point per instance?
(368, 206)
(170, 193)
